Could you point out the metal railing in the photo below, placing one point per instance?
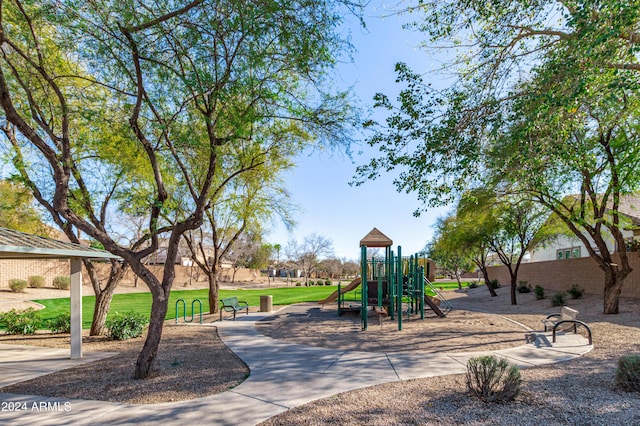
(445, 305)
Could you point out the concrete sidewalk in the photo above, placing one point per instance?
(283, 375)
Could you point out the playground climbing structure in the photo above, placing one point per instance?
(392, 285)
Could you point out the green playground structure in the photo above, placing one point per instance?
(394, 285)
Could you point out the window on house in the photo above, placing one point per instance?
(568, 253)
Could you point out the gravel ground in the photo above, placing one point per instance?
(193, 362)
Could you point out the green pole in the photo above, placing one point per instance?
(399, 288)
(380, 265)
(392, 285)
(387, 268)
(363, 283)
(421, 277)
(426, 261)
(340, 298)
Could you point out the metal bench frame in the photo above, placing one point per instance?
(232, 304)
(566, 320)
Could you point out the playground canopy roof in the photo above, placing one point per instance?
(375, 238)
(18, 245)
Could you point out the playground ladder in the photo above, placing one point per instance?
(448, 307)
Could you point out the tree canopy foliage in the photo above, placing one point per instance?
(17, 210)
(543, 106)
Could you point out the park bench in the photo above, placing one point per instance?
(232, 304)
(566, 320)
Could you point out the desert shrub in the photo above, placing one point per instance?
(17, 285)
(559, 299)
(628, 373)
(524, 287)
(20, 322)
(539, 291)
(473, 284)
(60, 324)
(494, 284)
(62, 283)
(126, 326)
(575, 292)
(492, 379)
(327, 282)
(36, 281)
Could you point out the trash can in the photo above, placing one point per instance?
(266, 303)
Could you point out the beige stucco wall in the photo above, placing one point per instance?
(560, 275)
(23, 269)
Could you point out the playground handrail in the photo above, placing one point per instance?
(448, 307)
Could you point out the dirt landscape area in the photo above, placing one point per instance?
(193, 362)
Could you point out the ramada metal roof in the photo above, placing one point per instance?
(18, 245)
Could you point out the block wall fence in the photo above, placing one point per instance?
(560, 275)
(49, 269)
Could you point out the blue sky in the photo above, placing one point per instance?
(320, 182)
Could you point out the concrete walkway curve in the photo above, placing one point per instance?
(283, 376)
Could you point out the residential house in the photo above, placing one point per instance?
(567, 246)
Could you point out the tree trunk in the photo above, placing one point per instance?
(100, 311)
(150, 348)
(613, 281)
(214, 291)
(513, 289)
(103, 296)
(487, 281)
(457, 274)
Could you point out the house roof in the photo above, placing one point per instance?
(375, 238)
(630, 207)
(18, 245)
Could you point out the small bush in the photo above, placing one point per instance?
(298, 284)
(473, 284)
(17, 286)
(559, 299)
(575, 292)
(20, 322)
(36, 281)
(126, 326)
(492, 379)
(494, 284)
(628, 373)
(539, 291)
(62, 283)
(524, 287)
(60, 324)
(327, 282)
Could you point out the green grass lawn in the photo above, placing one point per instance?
(141, 302)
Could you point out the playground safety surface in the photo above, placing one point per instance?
(284, 374)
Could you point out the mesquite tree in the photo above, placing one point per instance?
(547, 87)
(151, 95)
